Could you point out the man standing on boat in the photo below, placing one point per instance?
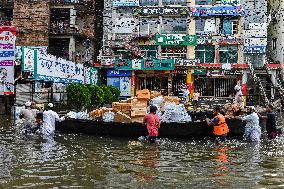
(221, 128)
(49, 118)
(152, 121)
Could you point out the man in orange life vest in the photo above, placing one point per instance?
(221, 128)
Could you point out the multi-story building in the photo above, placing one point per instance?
(167, 44)
(67, 27)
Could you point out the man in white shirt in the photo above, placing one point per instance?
(28, 117)
(49, 119)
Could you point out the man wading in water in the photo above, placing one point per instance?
(220, 126)
(152, 121)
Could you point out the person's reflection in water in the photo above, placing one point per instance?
(48, 149)
(222, 159)
(149, 159)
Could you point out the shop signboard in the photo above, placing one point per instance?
(230, 2)
(229, 40)
(122, 64)
(248, 42)
(255, 33)
(199, 72)
(158, 64)
(125, 3)
(125, 86)
(7, 59)
(217, 11)
(58, 70)
(118, 73)
(151, 11)
(255, 49)
(137, 64)
(215, 73)
(176, 40)
(186, 62)
(19, 50)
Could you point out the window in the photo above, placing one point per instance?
(174, 2)
(149, 2)
(173, 52)
(149, 51)
(274, 41)
(205, 2)
(205, 25)
(228, 54)
(229, 26)
(148, 26)
(174, 25)
(205, 53)
(255, 59)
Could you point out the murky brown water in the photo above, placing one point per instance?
(93, 162)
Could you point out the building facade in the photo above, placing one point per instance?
(169, 44)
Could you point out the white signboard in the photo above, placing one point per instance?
(91, 76)
(257, 26)
(255, 33)
(125, 86)
(50, 68)
(255, 42)
(125, 3)
(136, 64)
(125, 25)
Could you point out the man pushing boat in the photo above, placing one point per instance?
(221, 128)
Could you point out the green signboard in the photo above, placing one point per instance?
(150, 64)
(176, 40)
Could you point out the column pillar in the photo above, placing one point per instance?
(72, 48)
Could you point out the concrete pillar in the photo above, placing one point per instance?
(72, 18)
(273, 80)
(72, 48)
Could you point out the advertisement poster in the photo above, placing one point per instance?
(125, 86)
(91, 76)
(29, 57)
(58, 70)
(113, 81)
(7, 59)
(6, 80)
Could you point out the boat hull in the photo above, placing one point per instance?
(134, 130)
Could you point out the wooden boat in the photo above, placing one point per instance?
(134, 130)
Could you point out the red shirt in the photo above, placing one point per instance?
(153, 124)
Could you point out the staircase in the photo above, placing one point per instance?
(277, 85)
(259, 83)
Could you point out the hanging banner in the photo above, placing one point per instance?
(50, 68)
(125, 86)
(91, 76)
(176, 40)
(6, 80)
(28, 60)
(217, 11)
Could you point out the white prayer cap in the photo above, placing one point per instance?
(237, 88)
(50, 105)
(28, 104)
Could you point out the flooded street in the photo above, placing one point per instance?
(81, 161)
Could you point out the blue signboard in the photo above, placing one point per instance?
(125, 3)
(255, 49)
(217, 11)
(119, 73)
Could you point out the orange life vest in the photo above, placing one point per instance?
(221, 128)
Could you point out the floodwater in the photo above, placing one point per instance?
(80, 161)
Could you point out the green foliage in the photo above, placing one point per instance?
(82, 97)
(108, 99)
(97, 95)
(115, 93)
(78, 96)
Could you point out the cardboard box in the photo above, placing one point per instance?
(122, 118)
(126, 106)
(116, 106)
(143, 94)
(137, 119)
(139, 112)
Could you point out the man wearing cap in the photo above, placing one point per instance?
(49, 118)
(28, 116)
